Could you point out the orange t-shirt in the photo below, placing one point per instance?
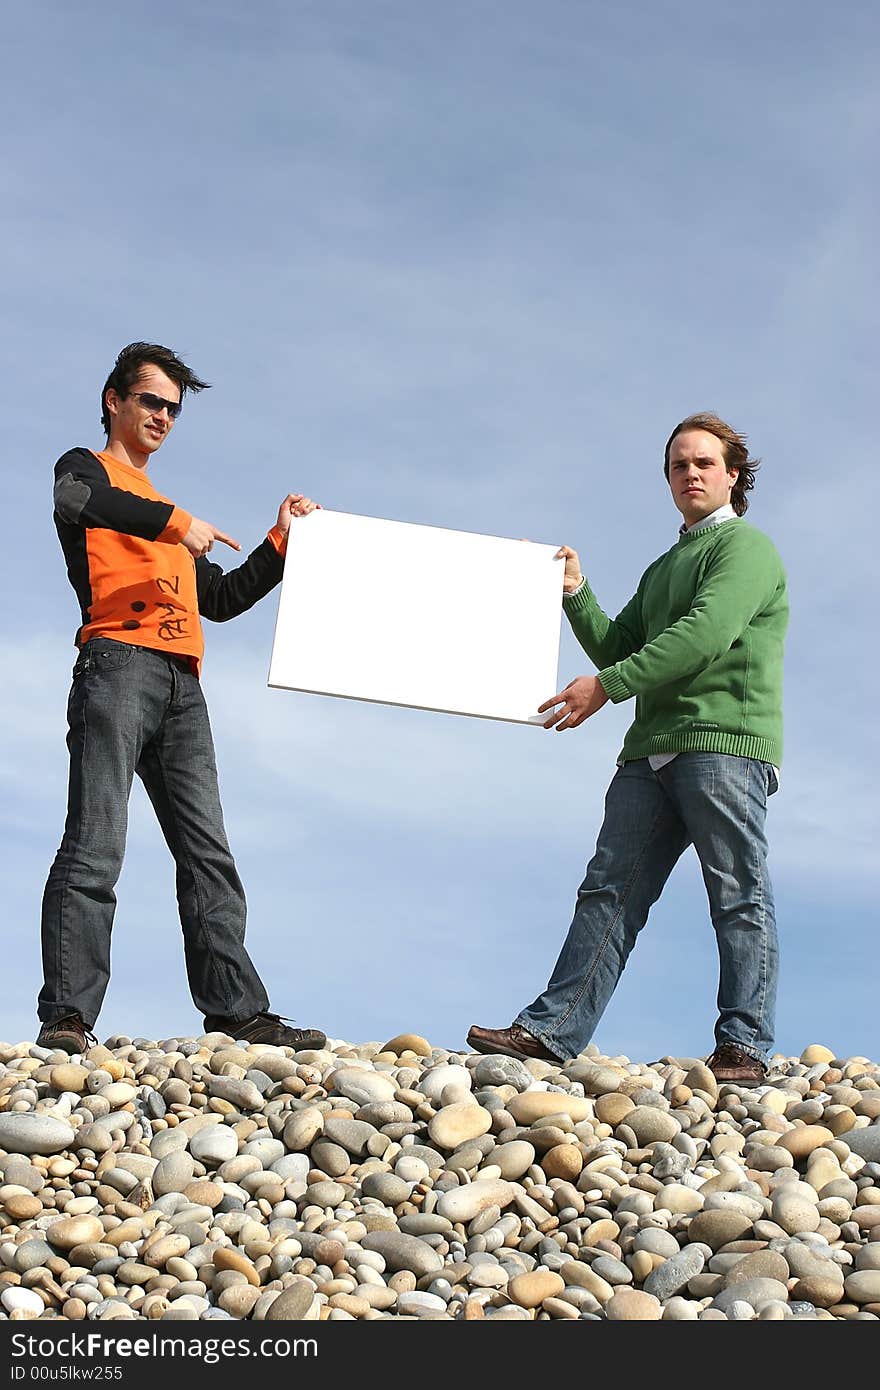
(134, 580)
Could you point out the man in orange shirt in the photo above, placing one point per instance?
(139, 567)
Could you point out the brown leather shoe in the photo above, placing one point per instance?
(729, 1063)
(267, 1028)
(510, 1042)
(68, 1034)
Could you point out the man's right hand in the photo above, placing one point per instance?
(201, 536)
(572, 577)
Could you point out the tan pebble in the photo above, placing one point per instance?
(350, 1303)
(840, 1119)
(641, 1264)
(204, 1193)
(603, 1229)
(563, 1161)
(335, 1286)
(163, 1249)
(74, 1309)
(61, 1167)
(456, 1124)
(239, 1300)
(801, 1142)
(69, 1077)
(529, 1106)
(530, 1290)
(23, 1206)
(613, 1108)
(633, 1305)
(816, 1053)
(404, 1281)
(409, 1042)
(224, 1257)
(473, 1310)
(558, 1308)
(69, 1231)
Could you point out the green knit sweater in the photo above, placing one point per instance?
(699, 646)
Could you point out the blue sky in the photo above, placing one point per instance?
(463, 265)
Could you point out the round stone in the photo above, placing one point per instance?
(23, 1206)
(18, 1300)
(465, 1202)
(434, 1082)
(863, 1286)
(213, 1145)
(69, 1231)
(755, 1292)
(802, 1141)
(226, 1257)
(403, 1252)
(386, 1187)
(650, 1124)
(793, 1211)
(27, 1133)
(408, 1042)
(530, 1290)
(456, 1124)
(503, 1071)
(716, 1228)
(514, 1159)
(536, 1105)
(633, 1305)
(294, 1302)
(303, 1128)
(673, 1275)
(173, 1172)
(563, 1161)
(361, 1086)
(69, 1077)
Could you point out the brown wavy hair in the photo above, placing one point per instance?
(736, 454)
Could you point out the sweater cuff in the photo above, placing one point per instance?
(176, 527)
(278, 540)
(581, 601)
(614, 687)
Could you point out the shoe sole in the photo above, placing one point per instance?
(71, 1046)
(488, 1051)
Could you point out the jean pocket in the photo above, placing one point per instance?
(772, 779)
(107, 655)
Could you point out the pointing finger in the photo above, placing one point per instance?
(227, 540)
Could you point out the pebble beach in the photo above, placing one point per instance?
(190, 1179)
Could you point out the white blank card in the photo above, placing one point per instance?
(417, 615)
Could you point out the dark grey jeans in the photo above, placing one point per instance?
(133, 710)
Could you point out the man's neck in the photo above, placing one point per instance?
(722, 513)
(135, 458)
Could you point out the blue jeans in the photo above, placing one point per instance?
(717, 803)
(133, 710)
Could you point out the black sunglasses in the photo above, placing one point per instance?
(157, 403)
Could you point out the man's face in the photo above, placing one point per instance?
(142, 428)
(698, 476)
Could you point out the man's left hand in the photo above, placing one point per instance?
(580, 698)
(294, 504)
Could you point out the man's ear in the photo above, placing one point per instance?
(112, 400)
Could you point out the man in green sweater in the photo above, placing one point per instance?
(700, 647)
